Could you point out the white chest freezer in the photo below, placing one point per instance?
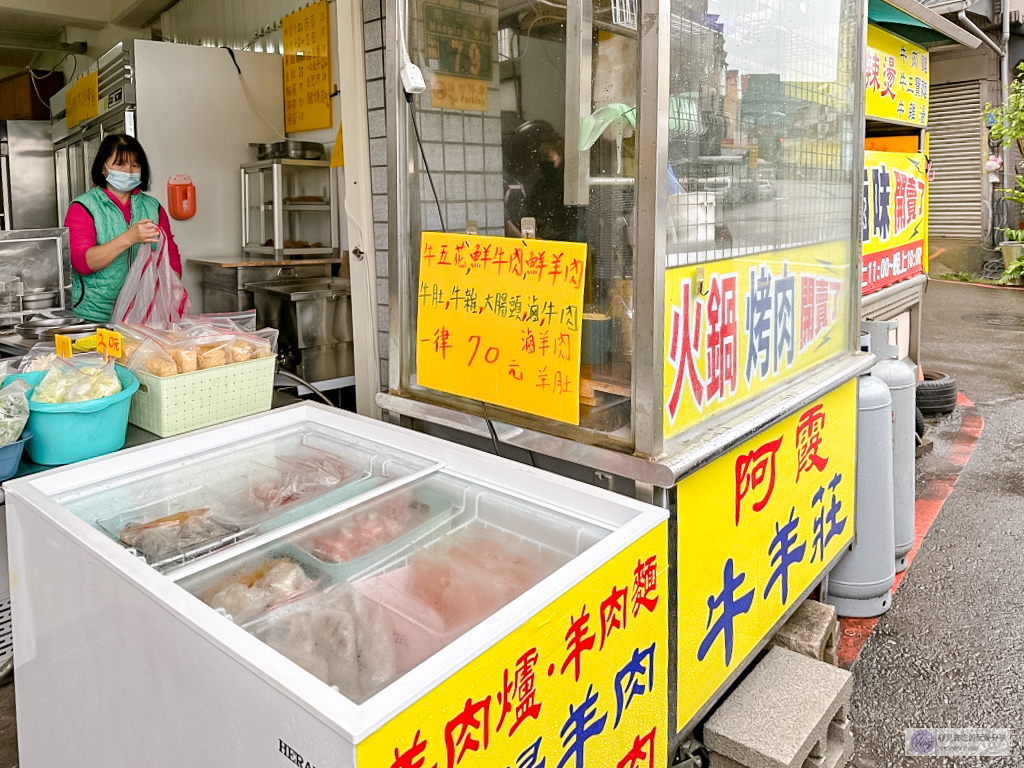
(308, 587)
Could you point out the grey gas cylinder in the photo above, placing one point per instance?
(860, 583)
(901, 378)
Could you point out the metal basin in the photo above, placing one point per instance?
(309, 312)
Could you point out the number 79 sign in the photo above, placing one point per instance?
(499, 320)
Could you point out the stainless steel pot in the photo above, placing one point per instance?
(293, 150)
(309, 313)
(38, 300)
(33, 329)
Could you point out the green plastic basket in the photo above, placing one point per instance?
(171, 405)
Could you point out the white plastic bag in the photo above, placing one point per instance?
(13, 410)
(152, 293)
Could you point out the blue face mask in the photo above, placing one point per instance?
(123, 182)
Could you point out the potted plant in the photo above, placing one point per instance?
(1006, 126)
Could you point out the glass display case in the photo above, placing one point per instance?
(289, 208)
(333, 618)
(709, 159)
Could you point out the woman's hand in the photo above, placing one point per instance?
(143, 231)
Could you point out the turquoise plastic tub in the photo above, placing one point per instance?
(69, 432)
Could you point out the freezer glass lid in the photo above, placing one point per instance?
(364, 596)
(174, 513)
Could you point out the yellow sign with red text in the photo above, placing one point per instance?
(499, 321)
(894, 218)
(896, 79)
(306, 37)
(108, 343)
(82, 100)
(582, 683)
(757, 528)
(750, 324)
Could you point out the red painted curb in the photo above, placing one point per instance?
(977, 285)
(853, 633)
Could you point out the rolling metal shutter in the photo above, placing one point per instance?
(954, 198)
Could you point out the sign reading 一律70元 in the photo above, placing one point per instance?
(752, 552)
(499, 320)
(582, 683)
(894, 218)
(754, 322)
(896, 79)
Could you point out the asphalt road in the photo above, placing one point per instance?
(950, 652)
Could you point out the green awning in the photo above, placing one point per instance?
(918, 24)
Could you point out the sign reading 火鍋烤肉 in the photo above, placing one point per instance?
(757, 528)
(894, 218)
(754, 322)
(582, 683)
(499, 320)
(307, 68)
(895, 80)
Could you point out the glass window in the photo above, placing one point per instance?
(761, 133)
(530, 113)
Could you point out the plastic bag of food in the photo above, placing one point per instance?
(151, 358)
(131, 340)
(247, 596)
(249, 347)
(174, 534)
(38, 358)
(13, 410)
(212, 351)
(271, 335)
(97, 381)
(292, 482)
(75, 381)
(185, 355)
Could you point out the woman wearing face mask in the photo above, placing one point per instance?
(108, 224)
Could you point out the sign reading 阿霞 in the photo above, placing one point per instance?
(499, 320)
(757, 528)
(894, 219)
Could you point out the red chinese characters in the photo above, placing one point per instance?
(683, 351)
(613, 613)
(819, 307)
(521, 688)
(755, 472)
(577, 640)
(412, 757)
(645, 585)
(722, 358)
(808, 440)
(469, 731)
(641, 754)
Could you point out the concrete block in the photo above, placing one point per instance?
(779, 712)
(812, 630)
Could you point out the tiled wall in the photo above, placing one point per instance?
(376, 117)
(463, 150)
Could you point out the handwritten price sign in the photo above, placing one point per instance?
(499, 320)
(307, 68)
(109, 343)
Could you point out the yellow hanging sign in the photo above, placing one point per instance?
(757, 528)
(896, 79)
(583, 682)
(307, 68)
(499, 321)
(82, 101)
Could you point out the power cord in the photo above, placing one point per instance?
(248, 96)
(426, 165)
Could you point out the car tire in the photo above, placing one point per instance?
(919, 422)
(936, 394)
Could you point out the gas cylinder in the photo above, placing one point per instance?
(901, 378)
(860, 583)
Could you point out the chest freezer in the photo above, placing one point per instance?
(308, 587)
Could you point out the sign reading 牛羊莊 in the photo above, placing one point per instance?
(499, 320)
(307, 68)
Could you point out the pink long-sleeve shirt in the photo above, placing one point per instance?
(82, 233)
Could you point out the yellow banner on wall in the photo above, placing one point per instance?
(755, 322)
(499, 320)
(757, 528)
(583, 683)
(82, 101)
(896, 79)
(894, 218)
(307, 68)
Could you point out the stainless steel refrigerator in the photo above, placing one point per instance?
(28, 195)
(187, 106)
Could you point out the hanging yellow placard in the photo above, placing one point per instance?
(307, 68)
(338, 153)
(895, 79)
(82, 101)
(499, 321)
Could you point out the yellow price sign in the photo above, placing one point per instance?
(63, 345)
(307, 68)
(82, 100)
(109, 343)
